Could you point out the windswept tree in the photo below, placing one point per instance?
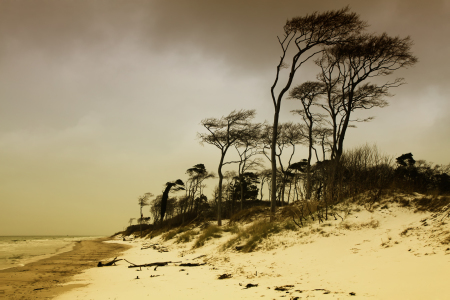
(176, 185)
(346, 69)
(288, 136)
(143, 201)
(308, 93)
(223, 133)
(194, 185)
(306, 35)
(247, 148)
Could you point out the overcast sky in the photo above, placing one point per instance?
(100, 101)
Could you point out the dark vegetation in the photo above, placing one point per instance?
(347, 59)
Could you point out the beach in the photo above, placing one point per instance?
(45, 278)
(387, 253)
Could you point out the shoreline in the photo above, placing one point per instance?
(47, 277)
(23, 262)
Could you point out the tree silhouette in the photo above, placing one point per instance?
(307, 34)
(143, 201)
(176, 185)
(345, 68)
(308, 94)
(223, 133)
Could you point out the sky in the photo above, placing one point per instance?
(101, 101)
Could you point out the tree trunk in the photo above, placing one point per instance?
(219, 200)
(241, 181)
(274, 161)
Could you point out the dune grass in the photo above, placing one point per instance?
(172, 233)
(212, 231)
(253, 235)
(356, 226)
(186, 236)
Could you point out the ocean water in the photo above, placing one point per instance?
(20, 250)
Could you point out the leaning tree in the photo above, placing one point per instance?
(306, 35)
(176, 185)
(346, 71)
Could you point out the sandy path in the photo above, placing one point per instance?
(43, 279)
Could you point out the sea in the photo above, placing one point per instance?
(19, 250)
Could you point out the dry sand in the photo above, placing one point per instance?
(46, 278)
(390, 253)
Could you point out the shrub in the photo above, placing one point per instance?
(212, 231)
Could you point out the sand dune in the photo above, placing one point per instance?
(389, 253)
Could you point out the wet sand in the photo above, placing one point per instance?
(44, 279)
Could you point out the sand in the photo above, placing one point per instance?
(46, 278)
(388, 253)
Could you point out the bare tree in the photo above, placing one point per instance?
(264, 175)
(288, 135)
(223, 133)
(345, 69)
(247, 148)
(197, 175)
(143, 201)
(308, 94)
(307, 34)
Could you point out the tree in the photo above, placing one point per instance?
(197, 174)
(143, 201)
(223, 133)
(246, 186)
(308, 94)
(345, 68)
(131, 220)
(247, 148)
(307, 34)
(177, 185)
(264, 175)
(288, 135)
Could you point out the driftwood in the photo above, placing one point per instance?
(225, 276)
(158, 264)
(284, 287)
(249, 285)
(111, 263)
(191, 264)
